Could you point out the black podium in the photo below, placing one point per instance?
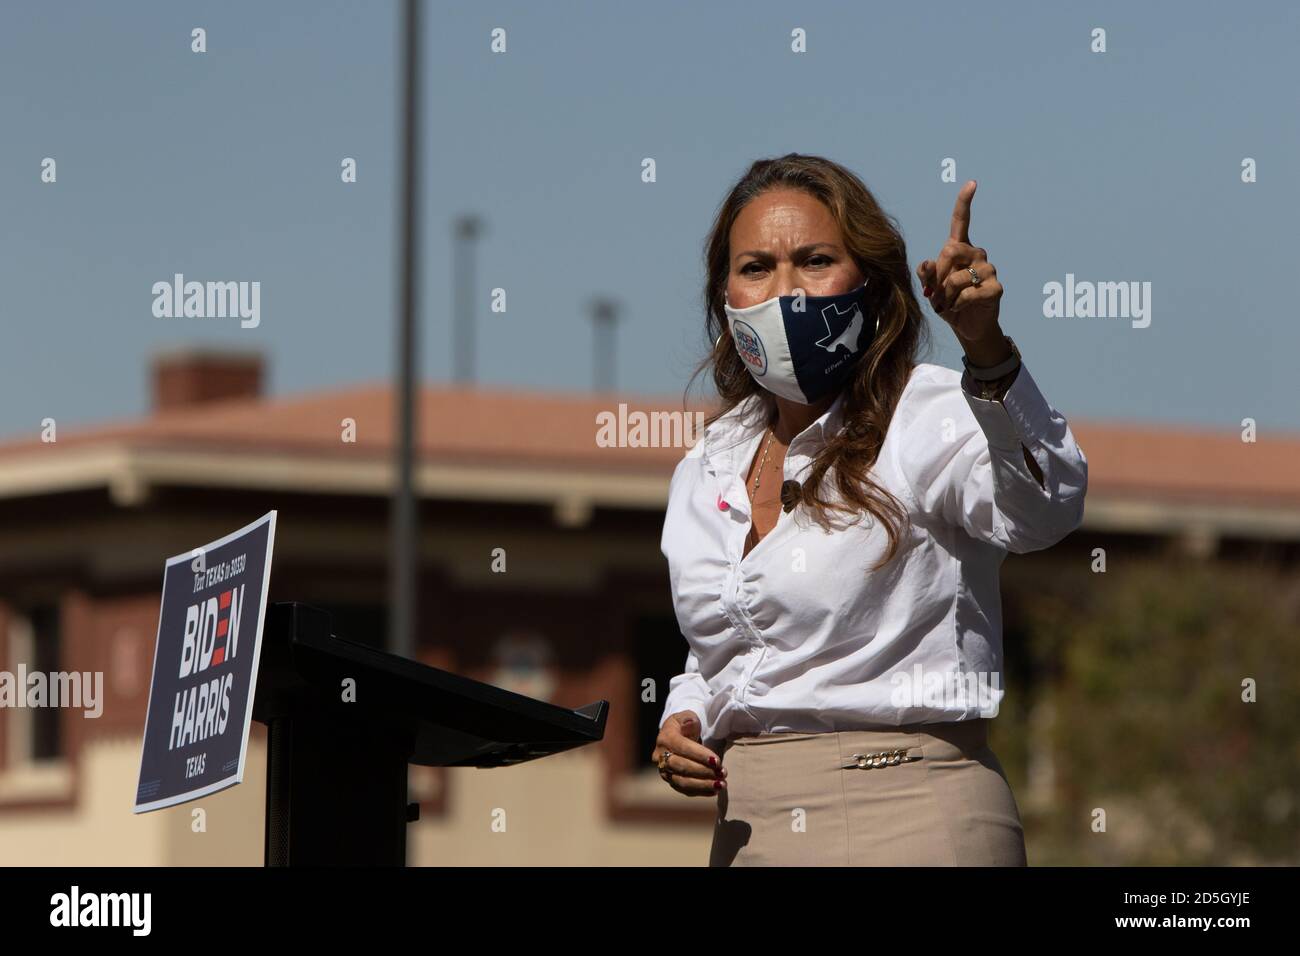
(336, 770)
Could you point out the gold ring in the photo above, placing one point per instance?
(663, 763)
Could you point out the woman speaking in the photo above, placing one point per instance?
(834, 538)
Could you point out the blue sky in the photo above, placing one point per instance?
(1122, 166)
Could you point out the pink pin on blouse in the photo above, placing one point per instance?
(722, 505)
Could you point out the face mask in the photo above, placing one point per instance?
(803, 355)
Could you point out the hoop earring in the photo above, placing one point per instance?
(718, 340)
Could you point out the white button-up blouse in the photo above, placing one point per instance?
(801, 634)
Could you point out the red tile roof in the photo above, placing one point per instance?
(505, 427)
(454, 424)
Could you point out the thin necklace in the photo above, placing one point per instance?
(753, 525)
(762, 464)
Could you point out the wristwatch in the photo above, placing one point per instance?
(989, 381)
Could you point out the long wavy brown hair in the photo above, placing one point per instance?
(874, 241)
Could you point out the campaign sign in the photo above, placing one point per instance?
(205, 668)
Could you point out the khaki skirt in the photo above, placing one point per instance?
(917, 795)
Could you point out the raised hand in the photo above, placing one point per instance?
(969, 305)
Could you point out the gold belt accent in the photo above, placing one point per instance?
(884, 758)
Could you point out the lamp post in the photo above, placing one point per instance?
(604, 317)
(404, 561)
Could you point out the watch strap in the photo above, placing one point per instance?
(997, 371)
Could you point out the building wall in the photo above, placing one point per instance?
(581, 592)
(548, 812)
(584, 591)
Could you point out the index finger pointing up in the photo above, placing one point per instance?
(960, 231)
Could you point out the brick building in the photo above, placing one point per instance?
(583, 611)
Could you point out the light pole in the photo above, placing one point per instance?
(404, 561)
(604, 318)
(466, 229)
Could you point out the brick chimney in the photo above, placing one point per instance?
(191, 376)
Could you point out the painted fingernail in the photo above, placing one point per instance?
(926, 291)
(713, 762)
(717, 785)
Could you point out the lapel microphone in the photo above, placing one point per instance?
(790, 492)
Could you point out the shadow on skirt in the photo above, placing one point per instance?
(800, 799)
